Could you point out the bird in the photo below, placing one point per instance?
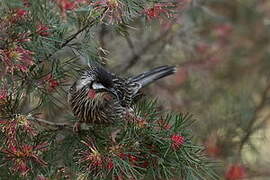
(99, 96)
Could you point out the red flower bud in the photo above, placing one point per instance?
(42, 30)
(110, 164)
(157, 10)
(177, 141)
(235, 172)
(3, 94)
(21, 12)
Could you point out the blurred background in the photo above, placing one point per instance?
(222, 51)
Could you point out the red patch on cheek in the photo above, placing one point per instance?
(91, 94)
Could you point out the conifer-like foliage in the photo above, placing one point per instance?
(43, 45)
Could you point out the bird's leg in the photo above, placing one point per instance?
(129, 115)
(114, 134)
(77, 127)
(138, 120)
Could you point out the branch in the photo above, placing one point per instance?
(160, 50)
(60, 126)
(131, 45)
(136, 56)
(76, 34)
(72, 37)
(250, 130)
(102, 52)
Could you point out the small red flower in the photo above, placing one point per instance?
(113, 9)
(122, 155)
(19, 123)
(17, 15)
(132, 158)
(3, 94)
(21, 167)
(177, 141)
(24, 55)
(20, 156)
(145, 164)
(50, 83)
(65, 5)
(91, 158)
(235, 172)
(21, 12)
(68, 5)
(42, 30)
(212, 150)
(53, 83)
(17, 58)
(157, 10)
(110, 164)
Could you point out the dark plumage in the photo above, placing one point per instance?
(100, 97)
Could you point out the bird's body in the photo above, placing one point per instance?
(101, 97)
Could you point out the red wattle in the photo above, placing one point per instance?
(91, 93)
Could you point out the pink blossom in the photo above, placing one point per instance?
(17, 58)
(21, 155)
(42, 30)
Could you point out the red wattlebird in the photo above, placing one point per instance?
(101, 97)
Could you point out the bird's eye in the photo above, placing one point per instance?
(96, 85)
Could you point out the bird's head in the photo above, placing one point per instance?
(96, 80)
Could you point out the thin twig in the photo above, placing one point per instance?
(250, 129)
(102, 52)
(136, 56)
(73, 36)
(63, 125)
(54, 124)
(149, 61)
(130, 44)
(76, 34)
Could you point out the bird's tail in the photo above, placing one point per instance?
(152, 75)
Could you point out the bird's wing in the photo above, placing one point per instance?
(152, 75)
(126, 90)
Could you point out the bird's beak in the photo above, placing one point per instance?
(98, 87)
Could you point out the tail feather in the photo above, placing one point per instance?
(153, 75)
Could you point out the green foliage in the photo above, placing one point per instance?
(43, 46)
(142, 149)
